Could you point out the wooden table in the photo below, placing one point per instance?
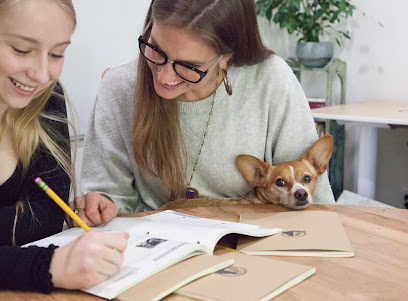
(369, 116)
(379, 270)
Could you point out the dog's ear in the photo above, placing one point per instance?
(253, 169)
(319, 154)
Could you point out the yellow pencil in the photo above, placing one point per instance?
(62, 204)
(225, 248)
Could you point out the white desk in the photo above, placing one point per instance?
(369, 116)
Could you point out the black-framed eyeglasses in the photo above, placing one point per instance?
(184, 70)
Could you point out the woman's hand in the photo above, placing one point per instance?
(93, 208)
(88, 260)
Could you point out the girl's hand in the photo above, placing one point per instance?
(88, 260)
(93, 208)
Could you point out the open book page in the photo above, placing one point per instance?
(144, 256)
(156, 242)
(178, 226)
(305, 233)
(167, 281)
(250, 278)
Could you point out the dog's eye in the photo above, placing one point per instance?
(280, 182)
(307, 179)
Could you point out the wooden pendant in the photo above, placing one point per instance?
(191, 193)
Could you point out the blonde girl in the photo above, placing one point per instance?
(34, 141)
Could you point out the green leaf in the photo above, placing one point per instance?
(258, 7)
(269, 13)
(308, 19)
(346, 35)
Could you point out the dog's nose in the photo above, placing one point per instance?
(301, 195)
(301, 203)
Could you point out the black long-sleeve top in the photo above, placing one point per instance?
(28, 268)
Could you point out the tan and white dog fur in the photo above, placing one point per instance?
(290, 184)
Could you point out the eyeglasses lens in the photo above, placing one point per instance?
(184, 72)
(152, 55)
(187, 73)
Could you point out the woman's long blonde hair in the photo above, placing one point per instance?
(230, 27)
(29, 129)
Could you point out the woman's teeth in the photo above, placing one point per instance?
(172, 83)
(22, 87)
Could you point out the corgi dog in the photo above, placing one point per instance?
(290, 184)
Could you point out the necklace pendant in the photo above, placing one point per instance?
(191, 193)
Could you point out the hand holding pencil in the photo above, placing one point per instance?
(101, 252)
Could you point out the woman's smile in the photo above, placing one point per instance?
(22, 88)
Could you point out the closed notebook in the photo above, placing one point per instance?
(250, 278)
(305, 233)
(167, 281)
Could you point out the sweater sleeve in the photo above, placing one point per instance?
(106, 167)
(26, 268)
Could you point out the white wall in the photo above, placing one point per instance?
(376, 70)
(106, 35)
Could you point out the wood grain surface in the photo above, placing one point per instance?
(379, 270)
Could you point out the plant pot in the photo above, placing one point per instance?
(314, 54)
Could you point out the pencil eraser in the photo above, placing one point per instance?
(38, 181)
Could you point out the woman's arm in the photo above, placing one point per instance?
(26, 268)
(106, 164)
(80, 264)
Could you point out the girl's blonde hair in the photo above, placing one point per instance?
(229, 27)
(65, 5)
(28, 126)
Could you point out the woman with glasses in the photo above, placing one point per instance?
(170, 124)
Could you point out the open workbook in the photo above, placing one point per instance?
(156, 242)
(305, 233)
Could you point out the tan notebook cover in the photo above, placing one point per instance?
(250, 278)
(305, 233)
(167, 281)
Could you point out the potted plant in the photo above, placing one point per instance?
(310, 20)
